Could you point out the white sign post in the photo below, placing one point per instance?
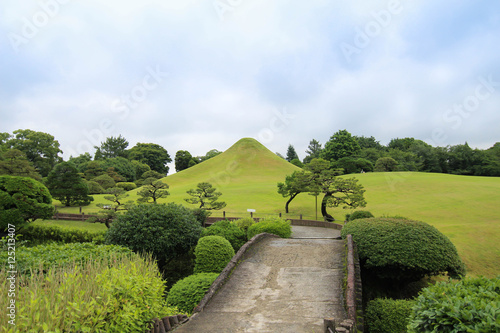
(251, 211)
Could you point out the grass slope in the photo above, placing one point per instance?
(466, 209)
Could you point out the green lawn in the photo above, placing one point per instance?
(466, 209)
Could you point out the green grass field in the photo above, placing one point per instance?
(466, 209)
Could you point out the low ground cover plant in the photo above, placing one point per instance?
(212, 254)
(230, 231)
(273, 225)
(470, 305)
(188, 292)
(116, 294)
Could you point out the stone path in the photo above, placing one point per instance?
(282, 285)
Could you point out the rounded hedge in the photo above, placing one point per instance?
(385, 315)
(272, 225)
(212, 254)
(402, 249)
(470, 305)
(164, 230)
(359, 214)
(229, 231)
(188, 292)
(127, 186)
(244, 223)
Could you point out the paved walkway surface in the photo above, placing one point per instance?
(282, 285)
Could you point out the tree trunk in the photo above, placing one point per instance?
(327, 217)
(288, 202)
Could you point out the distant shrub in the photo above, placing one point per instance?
(94, 187)
(401, 249)
(59, 255)
(229, 231)
(127, 186)
(212, 254)
(105, 181)
(470, 305)
(385, 315)
(244, 223)
(117, 294)
(359, 214)
(164, 230)
(272, 225)
(188, 292)
(39, 234)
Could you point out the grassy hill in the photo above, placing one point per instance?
(466, 209)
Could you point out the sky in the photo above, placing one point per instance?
(198, 75)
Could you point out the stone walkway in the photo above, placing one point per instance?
(282, 285)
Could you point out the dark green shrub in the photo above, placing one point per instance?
(58, 255)
(164, 230)
(39, 234)
(127, 186)
(116, 294)
(272, 225)
(244, 223)
(229, 231)
(359, 214)
(94, 187)
(400, 249)
(201, 215)
(105, 181)
(188, 292)
(385, 315)
(23, 200)
(212, 254)
(470, 305)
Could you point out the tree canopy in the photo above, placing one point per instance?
(341, 144)
(112, 147)
(151, 154)
(66, 185)
(205, 195)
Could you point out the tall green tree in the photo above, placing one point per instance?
(291, 154)
(341, 144)
(205, 195)
(151, 154)
(153, 189)
(182, 159)
(313, 151)
(112, 147)
(23, 200)
(66, 185)
(368, 142)
(296, 183)
(112, 210)
(40, 148)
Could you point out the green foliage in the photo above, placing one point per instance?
(46, 256)
(182, 159)
(401, 249)
(386, 164)
(229, 231)
(296, 183)
(188, 292)
(244, 223)
(272, 225)
(127, 186)
(105, 181)
(115, 294)
(23, 200)
(212, 254)
(291, 154)
(94, 187)
(122, 166)
(341, 144)
(359, 214)
(111, 148)
(385, 315)
(66, 185)
(164, 230)
(13, 162)
(38, 234)
(151, 154)
(205, 195)
(139, 168)
(470, 305)
(152, 189)
(201, 215)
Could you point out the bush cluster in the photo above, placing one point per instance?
(401, 249)
(385, 315)
(54, 255)
(164, 230)
(188, 292)
(470, 305)
(272, 225)
(38, 234)
(229, 231)
(244, 223)
(359, 214)
(212, 254)
(127, 186)
(119, 294)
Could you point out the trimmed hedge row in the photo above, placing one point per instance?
(272, 225)
(38, 234)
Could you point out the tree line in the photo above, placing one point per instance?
(355, 154)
